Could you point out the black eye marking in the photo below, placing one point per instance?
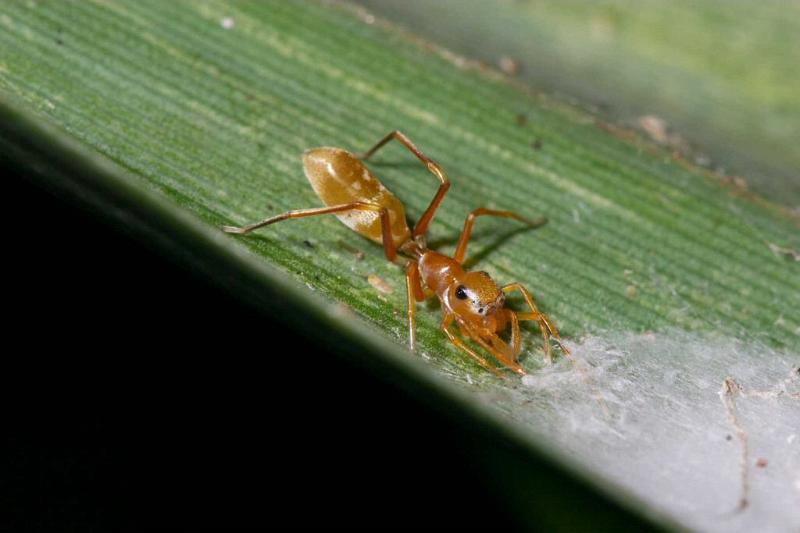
(461, 292)
(480, 311)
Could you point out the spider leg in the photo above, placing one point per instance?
(505, 353)
(388, 242)
(415, 294)
(426, 218)
(445, 327)
(461, 249)
(545, 325)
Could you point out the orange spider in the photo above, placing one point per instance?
(470, 299)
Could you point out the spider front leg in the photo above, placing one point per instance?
(445, 327)
(545, 325)
(500, 350)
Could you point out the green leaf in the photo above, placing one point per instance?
(179, 117)
(722, 73)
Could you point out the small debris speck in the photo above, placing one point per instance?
(509, 65)
(761, 462)
(308, 244)
(702, 160)
(631, 291)
(537, 144)
(359, 255)
(655, 127)
(379, 284)
(785, 252)
(341, 310)
(227, 23)
(728, 437)
(522, 120)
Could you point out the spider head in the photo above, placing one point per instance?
(476, 297)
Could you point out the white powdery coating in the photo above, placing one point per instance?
(667, 437)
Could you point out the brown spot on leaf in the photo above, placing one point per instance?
(379, 284)
(509, 65)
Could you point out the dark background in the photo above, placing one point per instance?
(139, 396)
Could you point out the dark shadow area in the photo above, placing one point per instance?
(473, 259)
(144, 398)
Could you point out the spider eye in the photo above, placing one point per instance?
(461, 292)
